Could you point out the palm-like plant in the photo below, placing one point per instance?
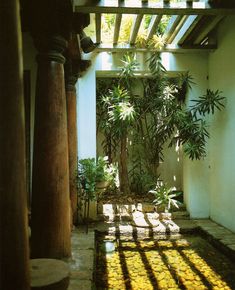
(154, 119)
(165, 197)
(120, 113)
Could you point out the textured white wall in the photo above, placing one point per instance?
(222, 143)
(195, 173)
(86, 115)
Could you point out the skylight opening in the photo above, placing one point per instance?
(107, 27)
(125, 29)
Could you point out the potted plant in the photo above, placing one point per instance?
(96, 175)
(105, 174)
(165, 199)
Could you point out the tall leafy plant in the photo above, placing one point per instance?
(151, 121)
(117, 113)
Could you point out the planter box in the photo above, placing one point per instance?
(101, 186)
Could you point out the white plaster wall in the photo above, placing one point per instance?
(86, 115)
(222, 143)
(195, 173)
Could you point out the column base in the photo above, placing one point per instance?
(49, 274)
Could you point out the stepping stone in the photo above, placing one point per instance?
(49, 274)
(145, 220)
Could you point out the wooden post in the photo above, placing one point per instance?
(70, 81)
(50, 193)
(14, 251)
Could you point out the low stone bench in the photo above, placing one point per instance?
(49, 274)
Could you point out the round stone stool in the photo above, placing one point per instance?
(49, 274)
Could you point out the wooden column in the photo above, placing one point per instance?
(50, 193)
(14, 259)
(70, 81)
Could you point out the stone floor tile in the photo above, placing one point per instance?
(80, 284)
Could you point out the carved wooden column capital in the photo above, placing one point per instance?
(50, 48)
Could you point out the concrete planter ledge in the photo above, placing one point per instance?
(49, 274)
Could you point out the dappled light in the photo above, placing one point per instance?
(184, 263)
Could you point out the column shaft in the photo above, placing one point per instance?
(72, 144)
(14, 251)
(50, 199)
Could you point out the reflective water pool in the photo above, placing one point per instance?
(185, 262)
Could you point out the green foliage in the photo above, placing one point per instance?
(155, 65)
(130, 65)
(87, 176)
(92, 171)
(120, 111)
(163, 24)
(157, 118)
(165, 197)
(208, 103)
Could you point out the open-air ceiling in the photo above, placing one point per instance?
(180, 25)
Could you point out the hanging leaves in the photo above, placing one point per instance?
(208, 103)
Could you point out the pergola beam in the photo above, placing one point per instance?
(186, 30)
(167, 48)
(143, 7)
(207, 29)
(177, 29)
(135, 28)
(155, 20)
(98, 27)
(173, 23)
(118, 21)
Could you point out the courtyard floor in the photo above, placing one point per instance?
(142, 225)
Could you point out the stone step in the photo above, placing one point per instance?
(127, 217)
(115, 208)
(182, 215)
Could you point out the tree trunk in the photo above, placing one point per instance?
(123, 171)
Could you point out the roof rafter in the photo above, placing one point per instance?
(155, 20)
(98, 27)
(118, 21)
(186, 30)
(173, 23)
(177, 29)
(135, 28)
(178, 8)
(167, 48)
(191, 24)
(207, 29)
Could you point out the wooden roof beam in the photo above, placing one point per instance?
(118, 21)
(155, 20)
(207, 29)
(144, 7)
(135, 28)
(188, 27)
(173, 23)
(98, 27)
(167, 48)
(177, 29)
